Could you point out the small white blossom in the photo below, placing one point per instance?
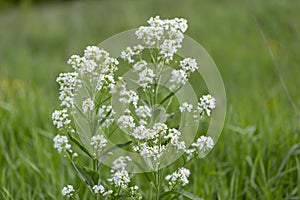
(186, 107)
(173, 135)
(60, 118)
(75, 61)
(146, 77)
(178, 78)
(143, 111)
(154, 151)
(126, 121)
(121, 162)
(61, 143)
(179, 177)
(138, 49)
(98, 189)
(190, 153)
(120, 179)
(68, 191)
(206, 104)
(88, 104)
(160, 128)
(67, 83)
(127, 54)
(204, 143)
(167, 49)
(141, 133)
(106, 81)
(134, 192)
(128, 97)
(140, 65)
(94, 53)
(98, 142)
(188, 64)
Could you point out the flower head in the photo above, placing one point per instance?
(68, 191)
(206, 104)
(60, 118)
(179, 177)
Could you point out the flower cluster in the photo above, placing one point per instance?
(95, 104)
(99, 189)
(60, 118)
(68, 191)
(98, 142)
(202, 145)
(179, 177)
(67, 82)
(207, 104)
(165, 35)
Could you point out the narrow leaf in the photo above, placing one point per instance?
(187, 194)
(78, 143)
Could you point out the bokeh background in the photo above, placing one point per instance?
(257, 156)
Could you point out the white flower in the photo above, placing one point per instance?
(120, 179)
(190, 153)
(88, 66)
(87, 104)
(75, 61)
(154, 151)
(206, 104)
(204, 143)
(67, 83)
(68, 191)
(140, 65)
(94, 53)
(134, 192)
(178, 77)
(127, 54)
(143, 111)
(128, 97)
(138, 49)
(146, 77)
(61, 143)
(60, 118)
(98, 189)
(189, 64)
(98, 142)
(106, 81)
(141, 133)
(160, 128)
(174, 134)
(179, 177)
(161, 30)
(121, 162)
(126, 121)
(167, 49)
(186, 107)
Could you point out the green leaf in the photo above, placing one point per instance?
(78, 143)
(106, 152)
(165, 194)
(93, 174)
(187, 194)
(103, 120)
(83, 175)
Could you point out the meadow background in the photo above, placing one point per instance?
(257, 156)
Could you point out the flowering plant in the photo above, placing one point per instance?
(130, 125)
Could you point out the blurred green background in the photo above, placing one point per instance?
(257, 156)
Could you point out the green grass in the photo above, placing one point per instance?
(257, 156)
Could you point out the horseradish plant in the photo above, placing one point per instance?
(119, 131)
